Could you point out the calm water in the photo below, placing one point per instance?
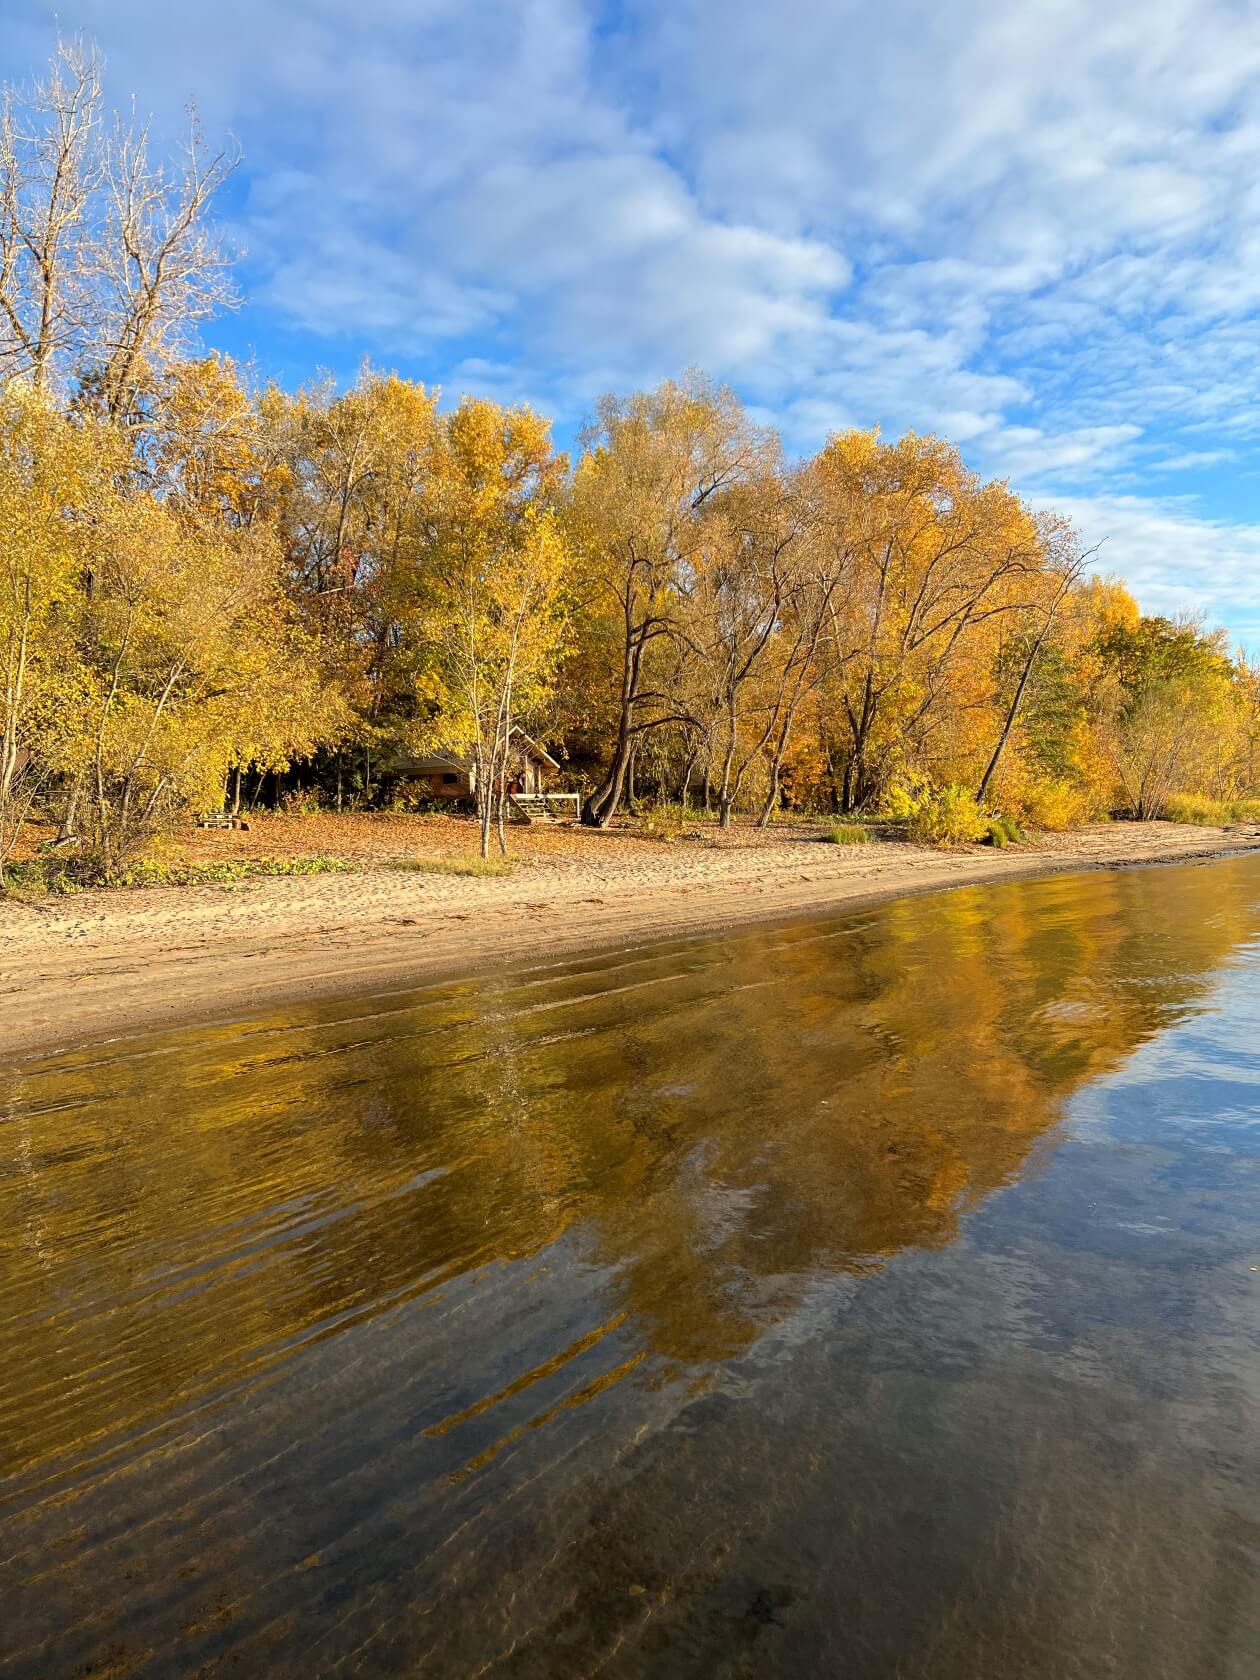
(873, 1297)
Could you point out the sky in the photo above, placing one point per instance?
(1033, 227)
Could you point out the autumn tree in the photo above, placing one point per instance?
(197, 664)
(738, 587)
(650, 463)
(936, 554)
(1170, 692)
(356, 514)
(54, 478)
(498, 566)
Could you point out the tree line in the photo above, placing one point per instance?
(206, 584)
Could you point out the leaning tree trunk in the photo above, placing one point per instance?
(1012, 713)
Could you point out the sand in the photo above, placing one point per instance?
(103, 965)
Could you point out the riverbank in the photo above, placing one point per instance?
(116, 963)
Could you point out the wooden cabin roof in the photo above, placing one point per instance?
(442, 763)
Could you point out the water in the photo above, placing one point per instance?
(870, 1297)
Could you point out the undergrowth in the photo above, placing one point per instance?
(1210, 813)
(37, 877)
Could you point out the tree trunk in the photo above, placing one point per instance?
(684, 797)
(501, 804)
(485, 807)
(70, 813)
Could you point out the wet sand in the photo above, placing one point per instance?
(113, 964)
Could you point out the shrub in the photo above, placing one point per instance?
(1004, 831)
(211, 874)
(666, 821)
(1199, 809)
(38, 876)
(847, 834)
(1194, 808)
(904, 800)
(1054, 804)
(948, 817)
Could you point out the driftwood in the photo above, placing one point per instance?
(220, 819)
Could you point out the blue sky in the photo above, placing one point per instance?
(1035, 228)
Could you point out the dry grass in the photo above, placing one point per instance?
(475, 866)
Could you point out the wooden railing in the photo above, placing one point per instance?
(553, 806)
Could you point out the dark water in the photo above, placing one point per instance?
(875, 1297)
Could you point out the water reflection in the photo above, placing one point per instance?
(633, 1313)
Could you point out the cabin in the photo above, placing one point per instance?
(452, 776)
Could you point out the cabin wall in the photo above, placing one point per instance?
(449, 784)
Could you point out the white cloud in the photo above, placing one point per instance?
(1174, 559)
(1036, 228)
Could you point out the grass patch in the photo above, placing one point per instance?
(39, 877)
(452, 866)
(848, 834)
(1195, 808)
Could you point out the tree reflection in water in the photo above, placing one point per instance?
(626, 1309)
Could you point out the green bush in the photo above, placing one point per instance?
(1003, 831)
(848, 834)
(37, 877)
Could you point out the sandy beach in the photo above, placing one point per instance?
(100, 965)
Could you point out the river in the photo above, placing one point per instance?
(877, 1296)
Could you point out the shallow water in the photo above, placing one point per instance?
(877, 1296)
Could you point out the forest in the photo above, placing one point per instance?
(214, 591)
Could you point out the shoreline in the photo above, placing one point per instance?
(102, 967)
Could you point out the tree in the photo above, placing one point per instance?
(54, 476)
(498, 567)
(1170, 698)
(741, 578)
(357, 514)
(106, 260)
(651, 462)
(197, 664)
(936, 554)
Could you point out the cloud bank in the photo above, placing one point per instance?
(1036, 229)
